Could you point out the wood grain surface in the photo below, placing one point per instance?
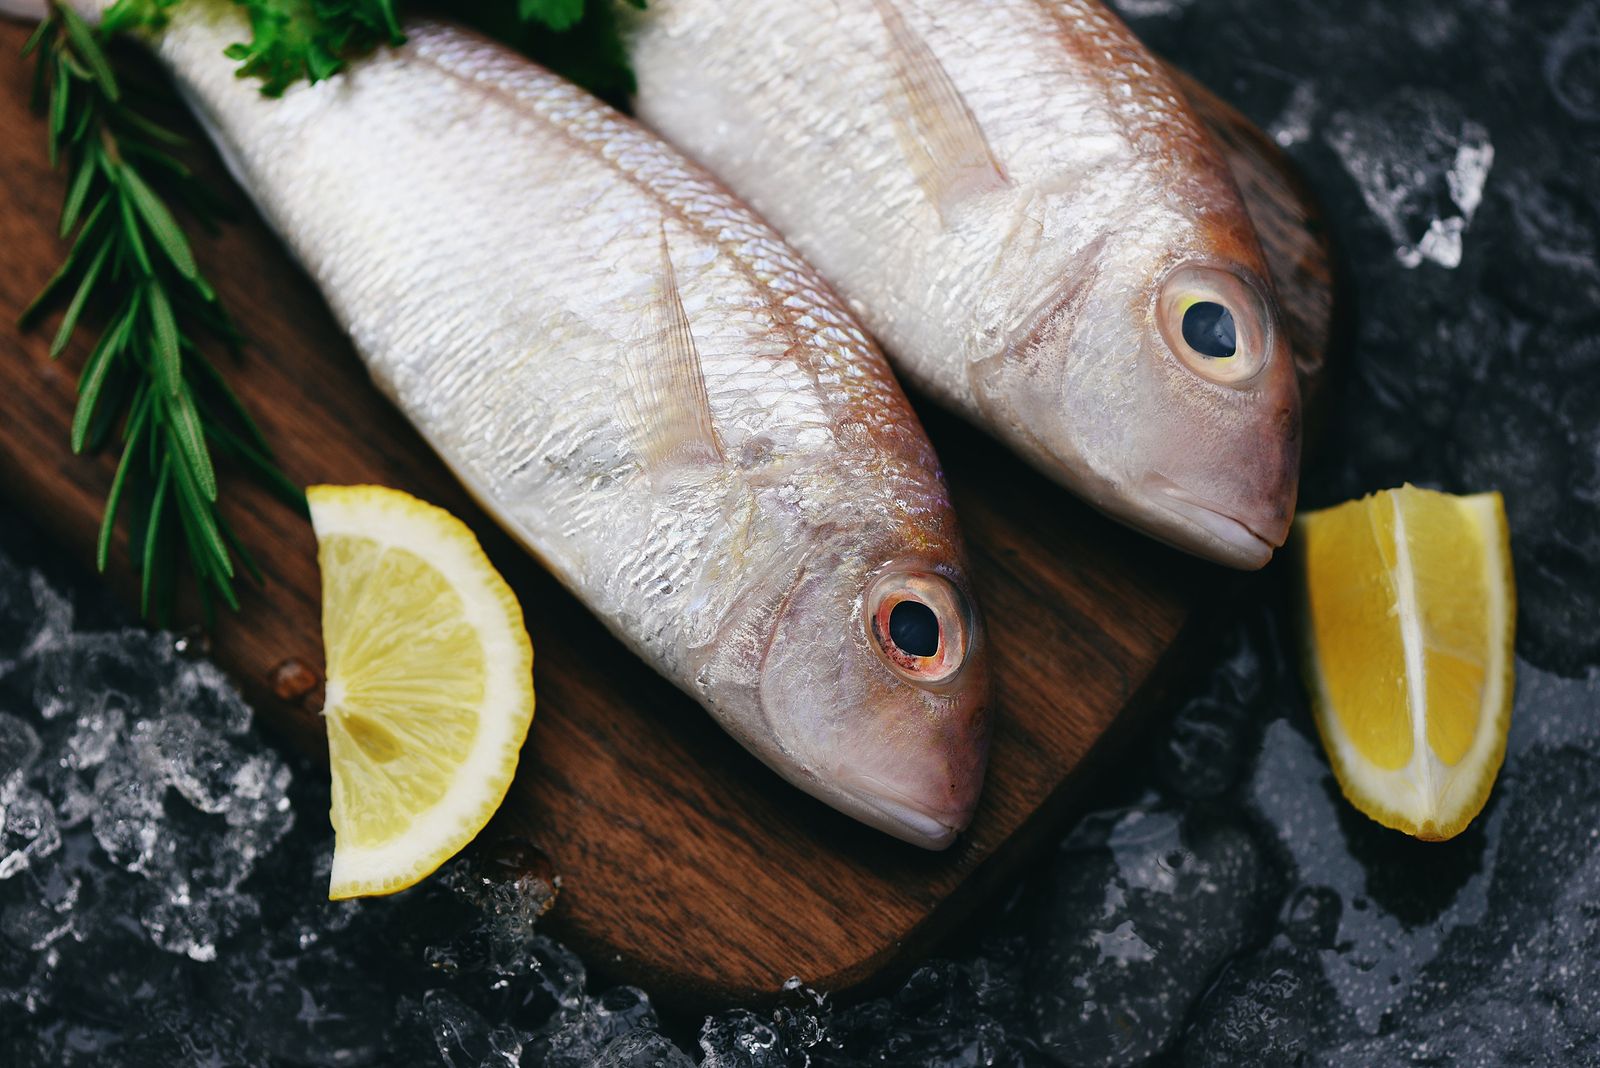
(685, 864)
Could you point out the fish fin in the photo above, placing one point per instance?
(670, 410)
(937, 130)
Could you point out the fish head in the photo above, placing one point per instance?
(875, 684)
(1159, 385)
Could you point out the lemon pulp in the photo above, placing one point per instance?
(1409, 618)
(429, 684)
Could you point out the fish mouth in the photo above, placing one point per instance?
(1214, 533)
(889, 810)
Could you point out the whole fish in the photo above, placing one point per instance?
(1019, 202)
(645, 386)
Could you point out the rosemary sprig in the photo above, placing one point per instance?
(131, 261)
(146, 388)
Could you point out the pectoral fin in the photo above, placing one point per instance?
(667, 404)
(938, 132)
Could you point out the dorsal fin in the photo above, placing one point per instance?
(667, 403)
(941, 137)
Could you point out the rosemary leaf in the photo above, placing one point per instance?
(165, 229)
(60, 97)
(185, 423)
(153, 130)
(130, 227)
(194, 510)
(77, 193)
(108, 522)
(152, 536)
(52, 288)
(91, 274)
(35, 38)
(87, 50)
(168, 361)
(93, 378)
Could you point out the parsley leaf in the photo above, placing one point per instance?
(557, 14)
(293, 40)
(310, 39)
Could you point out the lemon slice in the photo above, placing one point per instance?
(430, 684)
(1409, 614)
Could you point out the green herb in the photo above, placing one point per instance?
(310, 39)
(131, 263)
(146, 388)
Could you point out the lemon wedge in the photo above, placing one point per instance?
(430, 684)
(1410, 609)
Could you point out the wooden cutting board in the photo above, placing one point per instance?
(686, 866)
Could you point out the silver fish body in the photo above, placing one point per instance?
(645, 386)
(1021, 205)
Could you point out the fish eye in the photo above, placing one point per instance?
(914, 629)
(919, 624)
(1215, 322)
(1208, 328)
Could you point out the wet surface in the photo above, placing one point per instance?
(161, 866)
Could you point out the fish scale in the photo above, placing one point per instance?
(519, 265)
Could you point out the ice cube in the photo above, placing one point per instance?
(1205, 749)
(198, 761)
(205, 692)
(321, 1007)
(175, 1035)
(642, 1049)
(1140, 910)
(576, 1037)
(71, 794)
(1272, 1009)
(741, 1039)
(949, 1014)
(512, 882)
(465, 1039)
(50, 615)
(44, 910)
(1420, 164)
(28, 831)
(192, 923)
(95, 732)
(128, 815)
(19, 748)
(82, 672)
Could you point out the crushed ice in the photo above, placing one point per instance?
(110, 780)
(159, 905)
